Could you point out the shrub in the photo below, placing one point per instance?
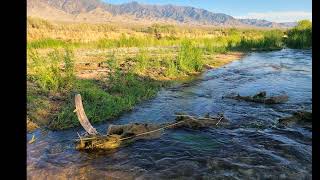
(300, 36)
(272, 39)
(47, 73)
(142, 60)
(189, 57)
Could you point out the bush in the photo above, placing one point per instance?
(142, 60)
(270, 40)
(189, 57)
(171, 68)
(216, 45)
(47, 73)
(300, 37)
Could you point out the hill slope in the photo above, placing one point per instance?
(98, 11)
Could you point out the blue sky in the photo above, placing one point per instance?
(273, 10)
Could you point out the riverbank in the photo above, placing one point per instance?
(253, 130)
(115, 68)
(112, 82)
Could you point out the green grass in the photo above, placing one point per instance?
(47, 73)
(217, 45)
(142, 60)
(190, 57)
(300, 37)
(131, 41)
(125, 92)
(171, 68)
(44, 43)
(270, 40)
(42, 33)
(102, 99)
(244, 40)
(123, 41)
(52, 43)
(37, 107)
(53, 74)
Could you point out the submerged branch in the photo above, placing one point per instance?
(118, 135)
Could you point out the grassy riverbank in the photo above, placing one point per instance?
(114, 68)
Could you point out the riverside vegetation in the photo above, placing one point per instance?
(116, 67)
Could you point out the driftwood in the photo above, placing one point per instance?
(119, 135)
(262, 98)
(32, 140)
(130, 130)
(83, 117)
(199, 122)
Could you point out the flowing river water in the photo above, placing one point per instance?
(253, 146)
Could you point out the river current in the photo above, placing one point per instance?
(253, 146)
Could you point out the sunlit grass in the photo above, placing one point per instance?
(125, 91)
(189, 57)
(164, 54)
(47, 73)
(300, 37)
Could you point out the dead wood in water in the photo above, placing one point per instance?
(262, 98)
(132, 130)
(119, 135)
(200, 122)
(99, 142)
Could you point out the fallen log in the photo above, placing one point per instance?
(120, 135)
(262, 98)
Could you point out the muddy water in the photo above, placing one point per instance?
(252, 146)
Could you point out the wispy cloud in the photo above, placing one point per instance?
(287, 16)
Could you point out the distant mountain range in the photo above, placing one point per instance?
(98, 12)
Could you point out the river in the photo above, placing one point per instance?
(253, 146)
